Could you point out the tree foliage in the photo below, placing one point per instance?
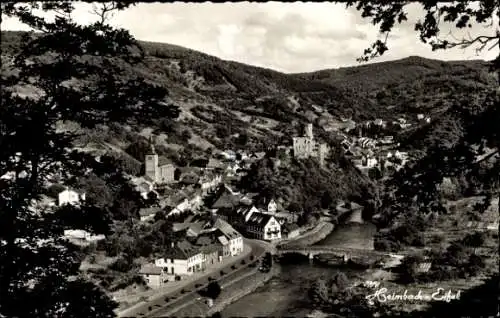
(469, 137)
(461, 14)
(73, 74)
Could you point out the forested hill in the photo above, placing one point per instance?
(226, 103)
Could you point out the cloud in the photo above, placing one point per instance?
(290, 37)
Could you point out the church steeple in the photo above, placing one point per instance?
(152, 150)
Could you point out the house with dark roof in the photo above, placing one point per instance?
(147, 214)
(153, 275)
(262, 226)
(226, 200)
(219, 240)
(215, 165)
(181, 259)
(210, 250)
(234, 237)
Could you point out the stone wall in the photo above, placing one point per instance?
(258, 281)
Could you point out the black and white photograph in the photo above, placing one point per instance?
(250, 159)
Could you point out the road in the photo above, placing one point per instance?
(177, 299)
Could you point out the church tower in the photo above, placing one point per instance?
(151, 162)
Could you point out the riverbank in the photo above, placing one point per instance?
(313, 236)
(250, 284)
(155, 298)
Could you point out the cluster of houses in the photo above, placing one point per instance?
(180, 189)
(259, 219)
(206, 244)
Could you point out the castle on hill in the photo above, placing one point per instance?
(306, 147)
(155, 171)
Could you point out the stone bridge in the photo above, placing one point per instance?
(346, 253)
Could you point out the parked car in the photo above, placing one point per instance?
(264, 269)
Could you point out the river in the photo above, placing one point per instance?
(285, 295)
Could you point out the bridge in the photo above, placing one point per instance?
(345, 252)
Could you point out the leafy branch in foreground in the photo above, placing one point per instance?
(71, 73)
(461, 14)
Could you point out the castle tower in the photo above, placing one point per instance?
(151, 162)
(309, 131)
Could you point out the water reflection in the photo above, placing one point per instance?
(285, 295)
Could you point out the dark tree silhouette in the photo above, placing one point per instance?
(472, 122)
(74, 73)
(212, 290)
(462, 14)
(478, 126)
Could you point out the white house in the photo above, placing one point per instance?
(420, 116)
(147, 214)
(210, 184)
(235, 238)
(196, 201)
(272, 206)
(379, 122)
(70, 197)
(181, 206)
(232, 169)
(153, 275)
(263, 226)
(182, 259)
(82, 237)
(228, 155)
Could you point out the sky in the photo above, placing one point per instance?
(288, 37)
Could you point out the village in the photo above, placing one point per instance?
(213, 222)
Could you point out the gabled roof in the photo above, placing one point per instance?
(190, 178)
(227, 229)
(163, 161)
(150, 269)
(226, 200)
(214, 163)
(258, 219)
(149, 211)
(223, 240)
(182, 250)
(176, 227)
(195, 228)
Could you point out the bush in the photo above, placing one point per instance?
(213, 290)
(475, 239)
(243, 262)
(233, 267)
(252, 257)
(222, 273)
(122, 264)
